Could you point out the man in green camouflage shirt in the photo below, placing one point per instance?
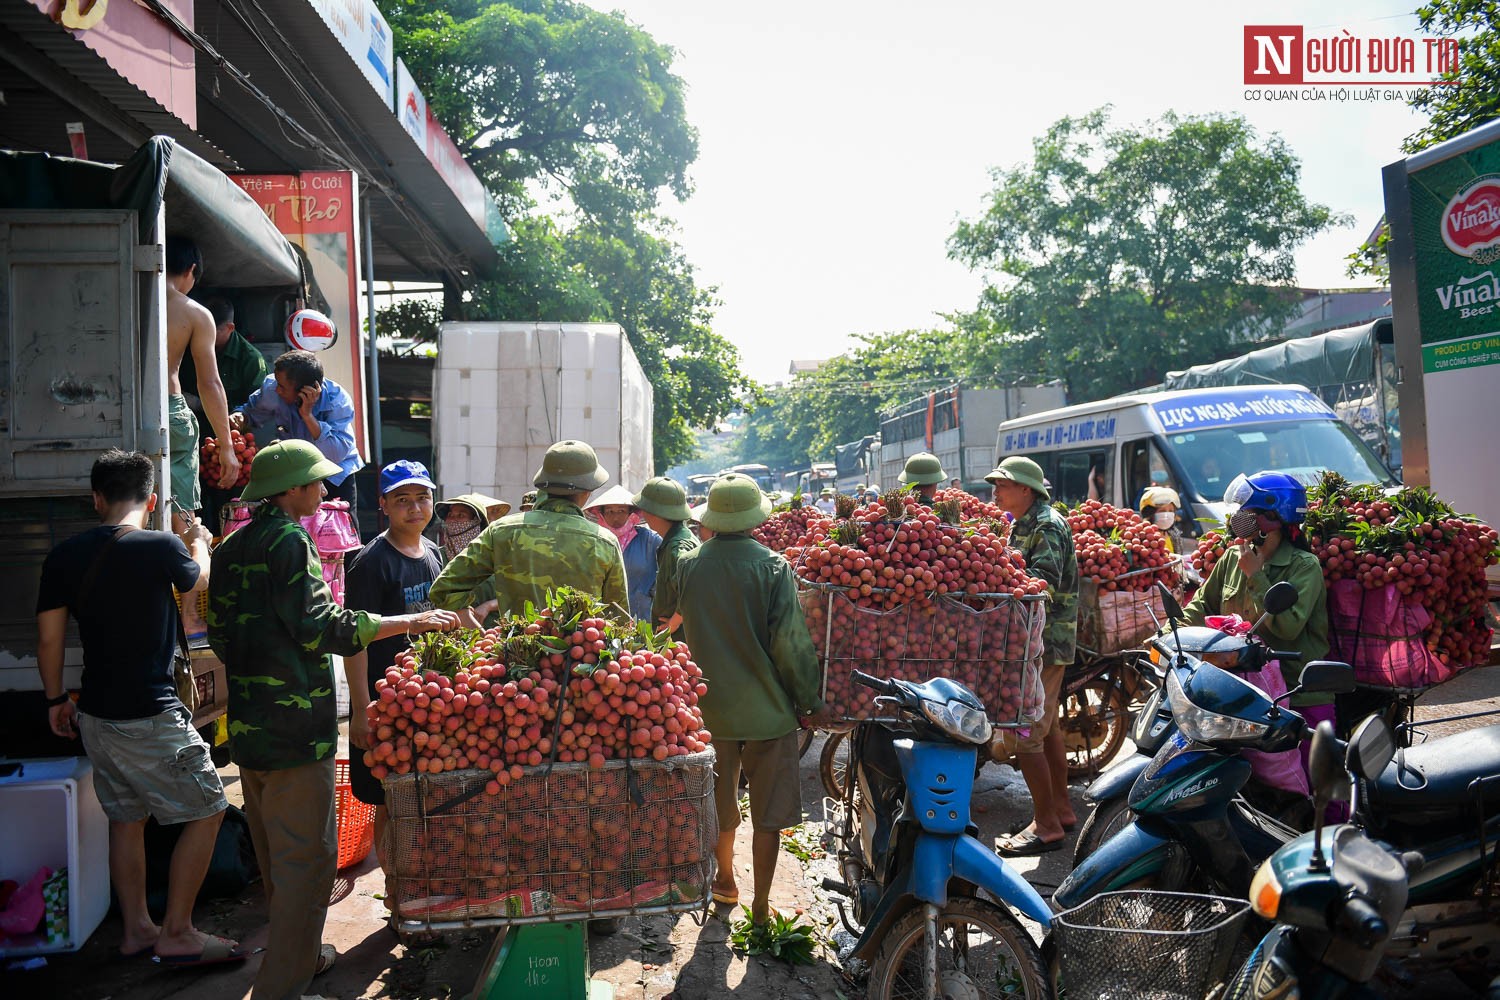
(519, 558)
(1045, 540)
(272, 620)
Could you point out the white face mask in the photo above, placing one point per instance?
(1164, 519)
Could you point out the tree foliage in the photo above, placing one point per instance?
(1118, 254)
(575, 119)
(550, 90)
(1475, 99)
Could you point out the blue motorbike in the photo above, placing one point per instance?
(913, 867)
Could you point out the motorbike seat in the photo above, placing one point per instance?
(1436, 775)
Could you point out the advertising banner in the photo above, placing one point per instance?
(319, 211)
(366, 36)
(411, 106)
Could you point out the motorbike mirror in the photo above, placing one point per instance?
(1371, 748)
(1168, 600)
(1280, 598)
(1325, 764)
(1326, 677)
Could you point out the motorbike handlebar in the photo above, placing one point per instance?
(878, 683)
(1285, 654)
(1362, 922)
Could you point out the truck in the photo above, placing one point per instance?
(811, 481)
(957, 424)
(504, 392)
(858, 463)
(1352, 370)
(83, 363)
(1442, 206)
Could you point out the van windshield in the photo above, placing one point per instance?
(1210, 459)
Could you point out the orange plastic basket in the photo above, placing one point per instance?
(356, 819)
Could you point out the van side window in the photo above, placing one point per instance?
(1145, 466)
(1081, 475)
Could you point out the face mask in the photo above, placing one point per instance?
(1164, 519)
(454, 541)
(1244, 524)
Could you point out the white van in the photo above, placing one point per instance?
(1194, 440)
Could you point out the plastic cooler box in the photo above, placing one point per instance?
(53, 819)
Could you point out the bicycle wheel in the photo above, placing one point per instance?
(833, 765)
(1094, 722)
(982, 952)
(805, 741)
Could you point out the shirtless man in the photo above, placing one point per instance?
(189, 324)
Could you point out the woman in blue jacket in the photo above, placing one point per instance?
(614, 510)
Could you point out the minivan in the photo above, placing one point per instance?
(1193, 440)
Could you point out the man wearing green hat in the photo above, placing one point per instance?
(273, 622)
(1045, 540)
(663, 503)
(740, 615)
(522, 556)
(925, 472)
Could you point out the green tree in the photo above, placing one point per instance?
(550, 91)
(1120, 253)
(1475, 98)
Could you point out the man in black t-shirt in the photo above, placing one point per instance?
(117, 581)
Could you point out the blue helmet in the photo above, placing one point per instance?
(1275, 492)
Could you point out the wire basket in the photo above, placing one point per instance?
(990, 643)
(1147, 945)
(356, 819)
(561, 842)
(1113, 620)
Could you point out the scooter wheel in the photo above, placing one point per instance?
(833, 765)
(979, 945)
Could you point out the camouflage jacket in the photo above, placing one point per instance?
(522, 556)
(677, 542)
(1044, 538)
(272, 620)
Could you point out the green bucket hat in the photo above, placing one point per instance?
(286, 465)
(665, 498)
(1023, 471)
(570, 466)
(735, 503)
(922, 469)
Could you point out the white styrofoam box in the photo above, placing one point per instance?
(606, 393)
(578, 344)
(482, 464)
(575, 386)
(446, 385)
(514, 462)
(453, 465)
(53, 818)
(574, 425)
(511, 387)
(484, 428)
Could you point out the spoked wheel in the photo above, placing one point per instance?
(805, 741)
(982, 952)
(833, 765)
(1107, 819)
(1095, 719)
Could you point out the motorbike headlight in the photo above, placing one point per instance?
(959, 721)
(1202, 726)
(1265, 892)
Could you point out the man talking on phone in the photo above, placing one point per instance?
(297, 402)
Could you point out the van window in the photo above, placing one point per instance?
(1081, 475)
(1145, 466)
(1212, 458)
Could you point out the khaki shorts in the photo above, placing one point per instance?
(157, 766)
(182, 439)
(771, 768)
(1052, 682)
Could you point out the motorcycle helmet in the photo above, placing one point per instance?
(1273, 492)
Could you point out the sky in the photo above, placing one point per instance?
(840, 143)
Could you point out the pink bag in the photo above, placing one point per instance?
(1279, 770)
(333, 533)
(27, 906)
(1380, 633)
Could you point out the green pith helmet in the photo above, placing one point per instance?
(922, 469)
(1023, 471)
(569, 467)
(665, 498)
(735, 503)
(284, 466)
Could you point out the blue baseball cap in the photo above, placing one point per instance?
(404, 473)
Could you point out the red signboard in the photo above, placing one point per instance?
(319, 212)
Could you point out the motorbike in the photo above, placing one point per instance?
(913, 867)
(1191, 822)
(1336, 895)
(1154, 725)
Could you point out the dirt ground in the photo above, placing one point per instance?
(685, 957)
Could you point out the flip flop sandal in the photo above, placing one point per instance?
(327, 956)
(724, 898)
(146, 952)
(216, 952)
(1025, 845)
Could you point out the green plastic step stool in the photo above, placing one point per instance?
(541, 961)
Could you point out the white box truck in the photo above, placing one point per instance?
(957, 424)
(503, 392)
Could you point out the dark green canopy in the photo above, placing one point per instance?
(1330, 359)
